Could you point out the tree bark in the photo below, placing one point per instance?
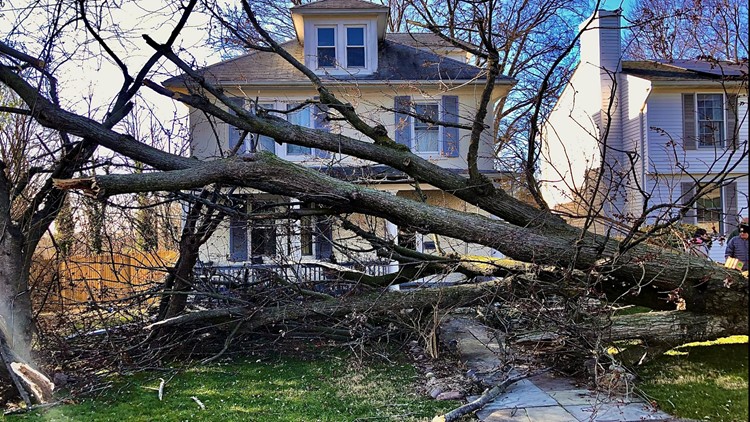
(180, 278)
(15, 303)
(669, 329)
(379, 304)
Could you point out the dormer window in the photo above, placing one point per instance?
(342, 47)
(326, 47)
(355, 46)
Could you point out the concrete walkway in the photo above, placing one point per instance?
(542, 398)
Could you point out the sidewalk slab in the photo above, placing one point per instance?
(613, 412)
(521, 395)
(582, 397)
(543, 397)
(529, 414)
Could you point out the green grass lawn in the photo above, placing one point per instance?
(328, 388)
(705, 381)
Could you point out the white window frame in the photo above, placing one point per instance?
(340, 46)
(285, 146)
(250, 136)
(335, 46)
(346, 45)
(415, 121)
(720, 139)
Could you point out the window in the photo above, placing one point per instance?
(709, 209)
(253, 142)
(306, 235)
(716, 209)
(234, 133)
(263, 232)
(300, 117)
(238, 229)
(710, 120)
(258, 237)
(258, 142)
(426, 137)
(316, 234)
(355, 47)
(426, 134)
(326, 47)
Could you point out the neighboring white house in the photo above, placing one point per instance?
(382, 75)
(654, 131)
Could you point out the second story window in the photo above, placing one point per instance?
(436, 133)
(710, 120)
(426, 133)
(355, 47)
(326, 47)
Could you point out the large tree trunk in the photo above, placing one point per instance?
(15, 299)
(672, 328)
(180, 279)
(663, 329)
(704, 286)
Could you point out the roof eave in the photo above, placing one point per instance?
(474, 81)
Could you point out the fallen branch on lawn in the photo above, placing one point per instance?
(480, 402)
(378, 303)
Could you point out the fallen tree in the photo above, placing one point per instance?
(525, 233)
(624, 269)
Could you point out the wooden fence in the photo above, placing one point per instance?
(85, 280)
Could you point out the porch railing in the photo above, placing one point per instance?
(248, 275)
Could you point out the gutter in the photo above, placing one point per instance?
(306, 83)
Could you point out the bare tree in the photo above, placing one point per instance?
(671, 30)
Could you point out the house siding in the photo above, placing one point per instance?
(666, 152)
(667, 190)
(370, 104)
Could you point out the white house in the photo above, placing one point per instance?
(655, 132)
(382, 75)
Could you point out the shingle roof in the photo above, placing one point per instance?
(419, 39)
(338, 4)
(396, 62)
(685, 70)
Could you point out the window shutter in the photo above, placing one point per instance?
(320, 112)
(688, 192)
(731, 216)
(403, 121)
(688, 121)
(450, 134)
(234, 133)
(732, 131)
(237, 238)
(323, 239)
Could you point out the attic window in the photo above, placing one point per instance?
(326, 47)
(355, 47)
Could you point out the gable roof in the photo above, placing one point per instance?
(685, 70)
(396, 62)
(338, 4)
